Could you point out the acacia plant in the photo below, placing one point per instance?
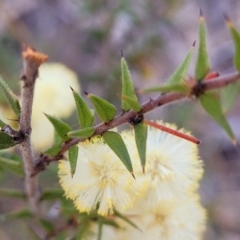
(116, 184)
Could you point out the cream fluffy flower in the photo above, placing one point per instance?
(172, 165)
(52, 96)
(100, 178)
(181, 218)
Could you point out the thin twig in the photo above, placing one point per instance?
(198, 89)
(31, 62)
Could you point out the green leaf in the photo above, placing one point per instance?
(105, 110)
(178, 87)
(230, 92)
(61, 127)
(52, 194)
(141, 142)
(132, 103)
(82, 229)
(126, 219)
(18, 214)
(85, 115)
(210, 101)
(47, 225)
(53, 151)
(203, 63)
(13, 193)
(127, 85)
(116, 143)
(179, 75)
(6, 141)
(82, 133)
(13, 166)
(229, 95)
(57, 139)
(236, 40)
(10, 97)
(73, 156)
(2, 124)
(100, 227)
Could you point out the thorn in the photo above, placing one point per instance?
(122, 54)
(201, 13)
(71, 88)
(86, 93)
(133, 176)
(143, 169)
(194, 43)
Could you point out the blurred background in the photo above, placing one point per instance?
(155, 35)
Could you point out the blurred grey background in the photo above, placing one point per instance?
(155, 35)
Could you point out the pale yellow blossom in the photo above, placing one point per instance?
(172, 164)
(52, 96)
(100, 178)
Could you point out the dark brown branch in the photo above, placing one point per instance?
(198, 89)
(31, 62)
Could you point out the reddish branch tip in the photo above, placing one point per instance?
(31, 54)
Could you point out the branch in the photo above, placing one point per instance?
(126, 117)
(31, 62)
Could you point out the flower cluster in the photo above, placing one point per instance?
(163, 202)
(51, 97)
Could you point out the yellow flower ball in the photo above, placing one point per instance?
(52, 96)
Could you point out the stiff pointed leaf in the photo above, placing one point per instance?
(61, 127)
(230, 92)
(132, 103)
(10, 97)
(12, 193)
(85, 115)
(11, 165)
(2, 124)
(110, 222)
(100, 228)
(210, 101)
(116, 143)
(104, 109)
(57, 139)
(126, 219)
(141, 142)
(236, 40)
(178, 87)
(6, 141)
(179, 75)
(47, 225)
(53, 151)
(203, 63)
(127, 85)
(82, 133)
(82, 229)
(51, 194)
(229, 95)
(73, 156)
(19, 214)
